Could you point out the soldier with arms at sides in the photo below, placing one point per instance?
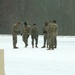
(15, 32)
(34, 35)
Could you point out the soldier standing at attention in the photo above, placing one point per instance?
(45, 34)
(15, 32)
(25, 33)
(34, 35)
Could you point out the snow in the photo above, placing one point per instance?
(39, 61)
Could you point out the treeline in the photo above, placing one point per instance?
(38, 11)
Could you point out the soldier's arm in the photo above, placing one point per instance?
(14, 29)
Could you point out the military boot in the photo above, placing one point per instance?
(43, 47)
(15, 47)
(32, 46)
(36, 46)
(26, 45)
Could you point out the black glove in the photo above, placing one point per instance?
(44, 31)
(21, 34)
(27, 36)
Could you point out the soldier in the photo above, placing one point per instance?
(56, 33)
(15, 32)
(45, 34)
(25, 33)
(51, 33)
(34, 35)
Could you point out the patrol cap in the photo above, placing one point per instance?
(25, 23)
(34, 24)
(54, 21)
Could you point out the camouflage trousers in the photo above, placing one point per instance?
(36, 40)
(25, 39)
(55, 42)
(14, 41)
(45, 39)
(51, 43)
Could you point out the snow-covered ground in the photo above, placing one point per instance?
(39, 61)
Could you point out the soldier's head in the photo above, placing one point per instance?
(18, 23)
(25, 23)
(34, 24)
(54, 21)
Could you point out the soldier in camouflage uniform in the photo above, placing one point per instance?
(45, 34)
(15, 32)
(25, 33)
(51, 34)
(56, 33)
(34, 35)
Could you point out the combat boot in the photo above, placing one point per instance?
(26, 45)
(36, 46)
(43, 47)
(32, 46)
(15, 47)
(49, 49)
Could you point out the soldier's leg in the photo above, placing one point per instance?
(52, 43)
(55, 42)
(44, 41)
(36, 42)
(49, 44)
(14, 41)
(26, 41)
(32, 41)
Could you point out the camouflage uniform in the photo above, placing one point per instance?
(56, 33)
(25, 34)
(45, 34)
(51, 34)
(34, 35)
(15, 32)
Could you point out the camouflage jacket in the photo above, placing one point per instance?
(34, 31)
(45, 29)
(15, 30)
(26, 30)
(52, 30)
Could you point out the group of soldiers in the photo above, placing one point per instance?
(49, 31)
(26, 31)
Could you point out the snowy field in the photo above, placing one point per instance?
(39, 61)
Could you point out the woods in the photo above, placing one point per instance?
(38, 11)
